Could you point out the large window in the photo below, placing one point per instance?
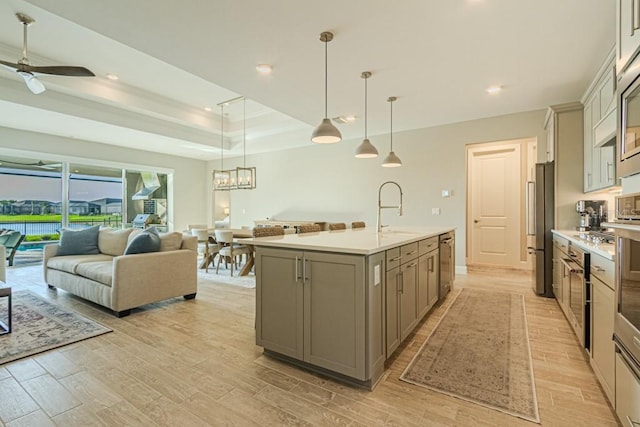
(37, 199)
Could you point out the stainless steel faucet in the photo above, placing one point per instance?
(380, 207)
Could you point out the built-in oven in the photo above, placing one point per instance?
(627, 321)
(577, 267)
(628, 138)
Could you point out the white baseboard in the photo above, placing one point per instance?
(461, 269)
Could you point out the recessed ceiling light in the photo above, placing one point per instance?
(492, 90)
(112, 76)
(207, 108)
(344, 119)
(263, 68)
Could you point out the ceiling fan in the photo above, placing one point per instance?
(29, 72)
(39, 164)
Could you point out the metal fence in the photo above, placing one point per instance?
(54, 227)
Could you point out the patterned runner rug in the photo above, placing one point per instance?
(480, 352)
(39, 325)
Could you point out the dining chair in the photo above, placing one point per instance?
(308, 228)
(228, 249)
(337, 226)
(268, 231)
(358, 224)
(207, 250)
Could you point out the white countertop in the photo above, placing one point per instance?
(363, 241)
(606, 250)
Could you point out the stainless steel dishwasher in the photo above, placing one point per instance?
(447, 263)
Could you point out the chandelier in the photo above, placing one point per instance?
(241, 177)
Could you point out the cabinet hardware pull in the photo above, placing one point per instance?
(398, 258)
(412, 252)
(297, 272)
(430, 265)
(305, 271)
(413, 264)
(609, 167)
(598, 268)
(401, 285)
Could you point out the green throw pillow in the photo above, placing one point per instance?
(147, 241)
(79, 242)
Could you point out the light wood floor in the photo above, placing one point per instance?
(183, 363)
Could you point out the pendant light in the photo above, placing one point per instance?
(326, 132)
(391, 161)
(366, 149)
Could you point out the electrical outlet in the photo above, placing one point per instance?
(435, 211)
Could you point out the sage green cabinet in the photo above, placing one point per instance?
(311, 306)
(428, 281)
(602, 346)
(627, 32)
(600, 129)
(408, 297)
(392, 293)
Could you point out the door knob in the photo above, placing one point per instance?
(475, 221)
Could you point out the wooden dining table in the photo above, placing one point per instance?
(239, 234)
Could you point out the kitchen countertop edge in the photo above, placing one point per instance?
(360, 241)
(605, 250)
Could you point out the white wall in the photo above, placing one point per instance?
(190, 183)
(326, 183)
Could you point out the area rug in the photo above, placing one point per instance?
(39, 325)
(479, 352)
(224, 276)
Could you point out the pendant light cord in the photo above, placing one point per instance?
(222, 137)
(326, 72)
(391, 131)
(244, 133)
(365, 107)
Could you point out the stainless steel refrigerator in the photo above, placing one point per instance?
(540, 217)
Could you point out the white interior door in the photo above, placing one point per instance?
(494, 204)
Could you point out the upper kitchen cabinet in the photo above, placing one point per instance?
(564, 125)
(600, 128)
(627, 32)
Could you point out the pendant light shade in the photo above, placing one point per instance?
(326, 132)
(392, 160)
(366, 149)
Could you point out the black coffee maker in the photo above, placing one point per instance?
(592, 214)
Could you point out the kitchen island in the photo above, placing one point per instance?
(340, 302)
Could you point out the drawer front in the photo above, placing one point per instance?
(561, 244)
(603, 269)
(393, 258)
(409, 252)
(427, 245)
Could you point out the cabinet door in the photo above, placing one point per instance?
(603, 349)
(408, 298)
(557, 272)
(434, 277)
(334, 312)
(423, 285)
(279, 301)
(627, 393)
(588, 147)
(628, 32)
(392, 330)
(551, 138)
(607, 166)
(566, 290)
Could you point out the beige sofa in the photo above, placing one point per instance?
(122, 282)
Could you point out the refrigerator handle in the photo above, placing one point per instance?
(531, 208)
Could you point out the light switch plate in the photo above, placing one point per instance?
(435, 211)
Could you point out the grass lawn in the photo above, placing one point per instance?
(56, 218)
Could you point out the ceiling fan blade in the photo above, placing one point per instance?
(32, 82)
(60, 70)
(10, 65)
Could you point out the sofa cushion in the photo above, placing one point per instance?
(112, 241)
(79, 242)
(146, 241)
(70, 263)
(101, 271)
(170, 241)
